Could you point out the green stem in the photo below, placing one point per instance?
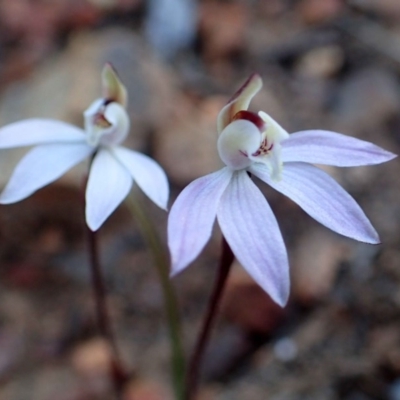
(171, 305)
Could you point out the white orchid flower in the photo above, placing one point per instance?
(254, 144)
(60, 146)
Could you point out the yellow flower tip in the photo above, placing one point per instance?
(113, 89)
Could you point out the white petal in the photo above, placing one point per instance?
(251, 230)
(108, 184)
(149, 176)
(274, 132)
(38, 131)
(322, 198)
(240, 101)
(40, 166)
(192, 217)
(331, 148)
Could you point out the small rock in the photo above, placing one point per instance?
(92, 359)
(248, 306)
(321, 62)
(285, 349)
(315, 262)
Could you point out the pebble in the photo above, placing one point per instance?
(285, 349)
(316, 260)
(321, 62)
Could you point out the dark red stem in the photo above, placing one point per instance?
(192, 378)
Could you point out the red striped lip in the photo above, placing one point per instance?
(251, 117)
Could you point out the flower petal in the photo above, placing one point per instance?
(192, 217)
(239, 101)
(40, 166)
(331, 148)
(149, 176)
(39, 131)
(250, 228)
(274, 132)
(108, 184)
(322, 198)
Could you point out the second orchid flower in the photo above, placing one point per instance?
(59, 146)
(255, 144)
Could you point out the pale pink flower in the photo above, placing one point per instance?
(254, 144)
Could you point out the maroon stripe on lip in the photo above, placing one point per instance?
(251, 117)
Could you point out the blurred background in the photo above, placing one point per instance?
(330, 64)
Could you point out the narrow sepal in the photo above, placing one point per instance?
(251, 229)
(39, 131)
(40, 166)
(108, 184)
(331, 148)
(192, 217)
(149, 176)
(322, 198)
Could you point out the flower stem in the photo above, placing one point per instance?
(171, 305)
(205, 332)
(102, 316)
(118, 374)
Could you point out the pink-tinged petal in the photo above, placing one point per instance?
(149, 176)
(108, 184)
(322, 198)
(331, 148)
(192, 217)
(251, 229)
(40, 166)
(39, 131)
(239, 101)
